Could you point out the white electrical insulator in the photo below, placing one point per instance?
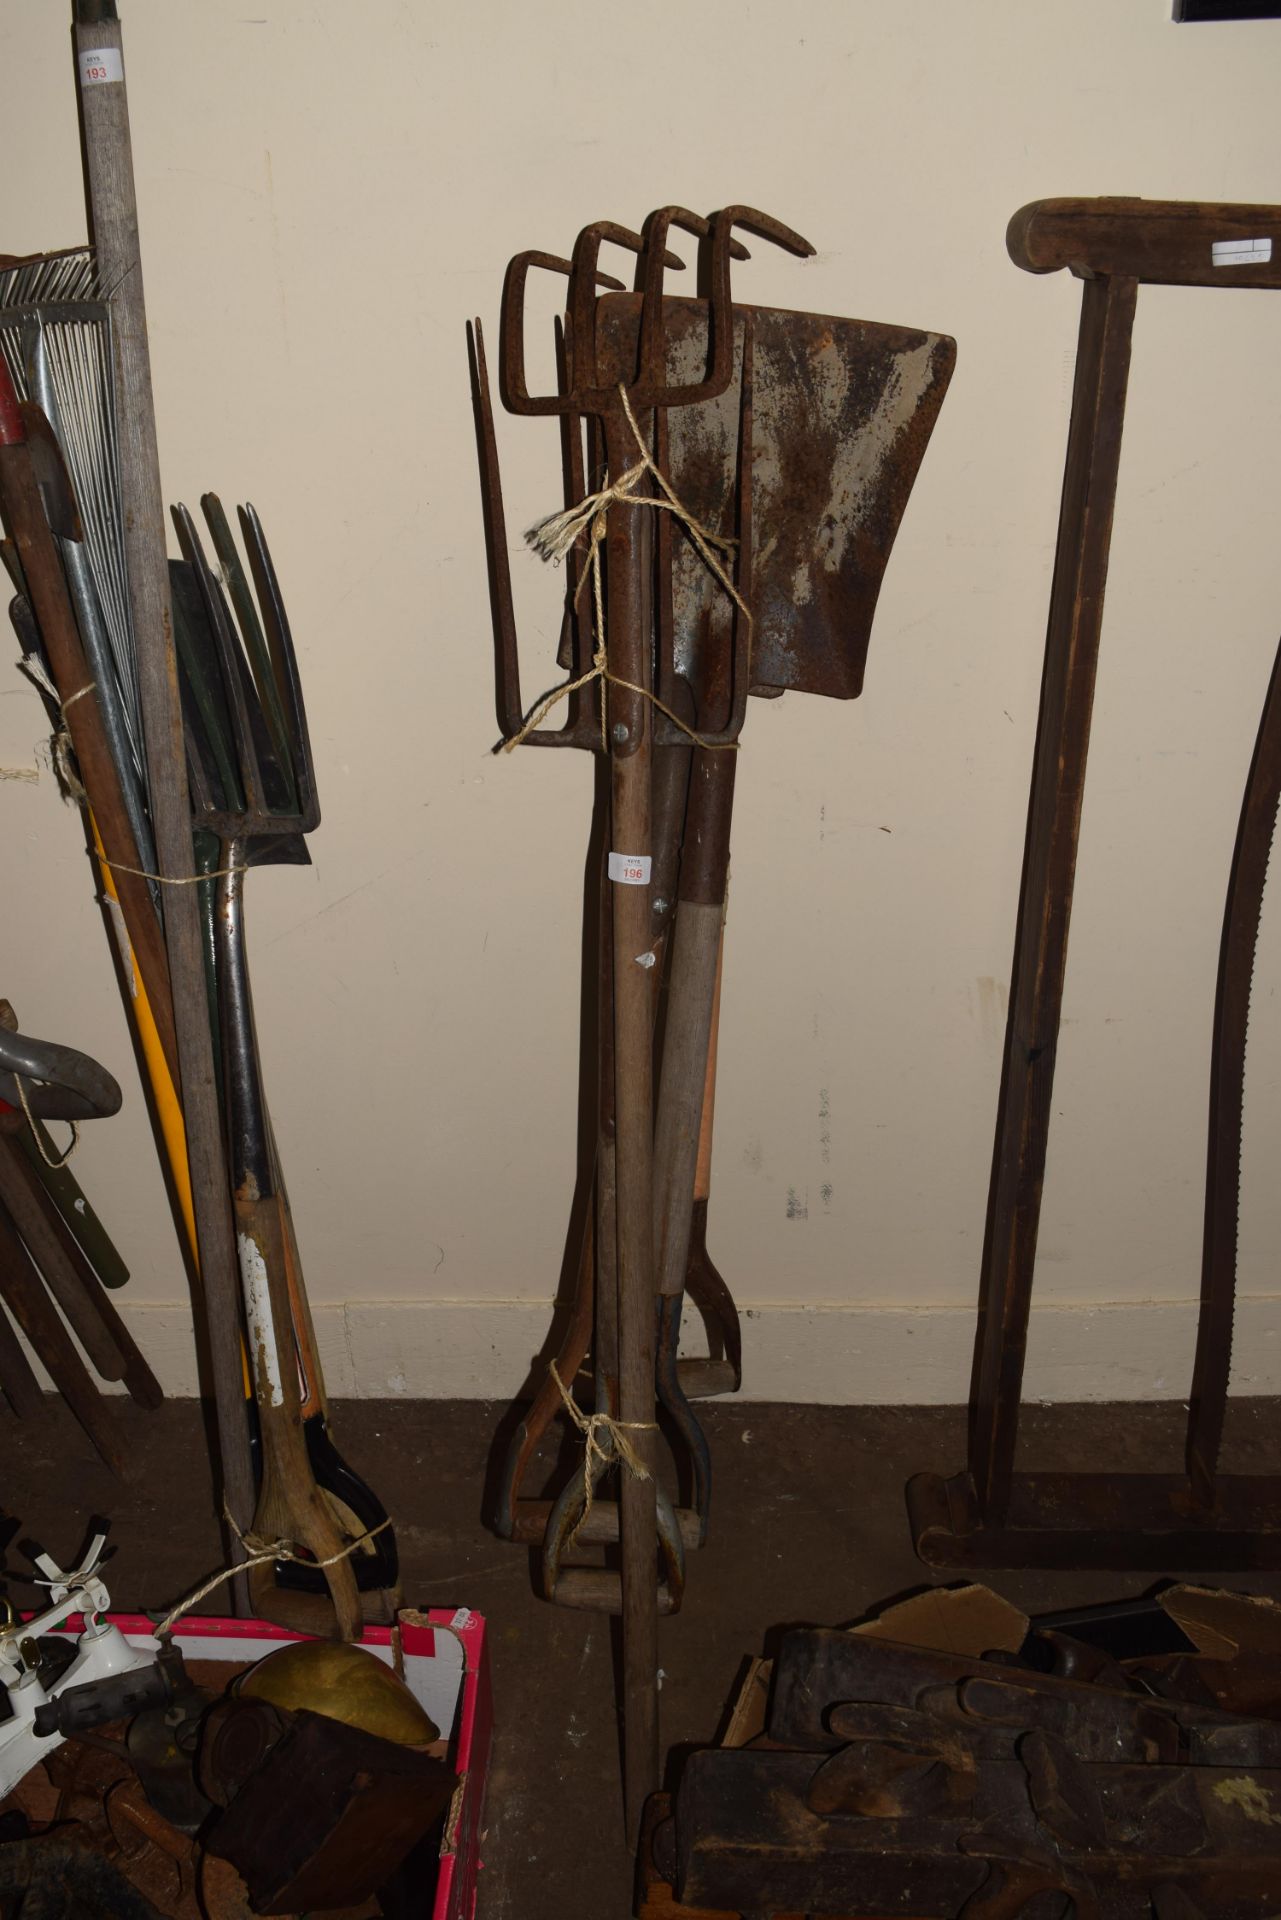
(101, 1650)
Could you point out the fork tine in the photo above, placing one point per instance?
(743, 553)
(512, 386)
(265, 670)
(276, 622)
(215, 782)
(574, 472)
(231, 662)
(506, 654)
(582, 288)
(650, 280)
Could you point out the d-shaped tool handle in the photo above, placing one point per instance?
(61, 1083)
(1170, 243)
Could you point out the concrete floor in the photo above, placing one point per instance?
(808, 1527)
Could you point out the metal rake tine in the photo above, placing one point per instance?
(665, 677)
(740, 657)
(720, 312)
(582, 289)
(649, 277)
(742, 647)
(574, 467)
(507, 680)
(264, 668)
(511, 332)
(231, 662)
(281, 638)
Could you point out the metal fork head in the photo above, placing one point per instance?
(584, 277)
(242, 673)
(649, 388)
(584, 392)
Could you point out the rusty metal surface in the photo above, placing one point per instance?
(618, 404)
(794, 441)
(842, 412)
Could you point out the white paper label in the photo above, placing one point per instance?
(630, 869)
(117, 916)
(461, 1618)
(262, 1331)
(100, 66)
(1240, 253)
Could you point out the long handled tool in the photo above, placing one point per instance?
(39, 1252)
(113, 211)
(55, 335)
(560, 1524)
(36, 499)
(253, 787)
(683, 641)
(617, 407)
(989, 1515)
(214, 742)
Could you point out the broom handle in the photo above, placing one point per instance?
(114, 220)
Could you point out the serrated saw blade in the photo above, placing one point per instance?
(1242, 915)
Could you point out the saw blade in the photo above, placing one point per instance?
(1241, 920)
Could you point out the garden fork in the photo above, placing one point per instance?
(620, 411)
(250, 772)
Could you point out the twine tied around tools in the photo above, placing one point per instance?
(258, 1553)
(552, 539)
(51, 1160)
(591, 1425)
(63, 752)
(168, 879)
(61, 743)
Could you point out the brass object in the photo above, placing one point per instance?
(344, 1683)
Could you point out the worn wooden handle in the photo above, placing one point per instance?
(1172, 243)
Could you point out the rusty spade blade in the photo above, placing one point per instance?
(842, 412)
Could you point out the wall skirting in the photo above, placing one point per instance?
(837, 1355)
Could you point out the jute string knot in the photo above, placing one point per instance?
(54, 1160)
(169, 879)
(597, 1456)
(258, 1553)
(553, 537)
(64, 761)
(64, 752)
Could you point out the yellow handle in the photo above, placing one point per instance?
(168, 1108)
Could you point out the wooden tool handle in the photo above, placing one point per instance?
(31, 1307)
(24, 509)
(703, 1170)
(290, 1506)
(113, 207)
(1171, 243)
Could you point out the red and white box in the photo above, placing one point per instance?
(443, 1659)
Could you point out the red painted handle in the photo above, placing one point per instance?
(12, 430)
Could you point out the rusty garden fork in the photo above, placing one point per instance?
(558, 1524)
(620, 413)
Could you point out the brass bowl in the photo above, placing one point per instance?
(344, 1682)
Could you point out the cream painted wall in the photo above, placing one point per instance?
(327, 193)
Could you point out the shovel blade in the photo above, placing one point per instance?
(842, 412)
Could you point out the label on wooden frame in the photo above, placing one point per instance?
(630, 869)
(100, 66)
